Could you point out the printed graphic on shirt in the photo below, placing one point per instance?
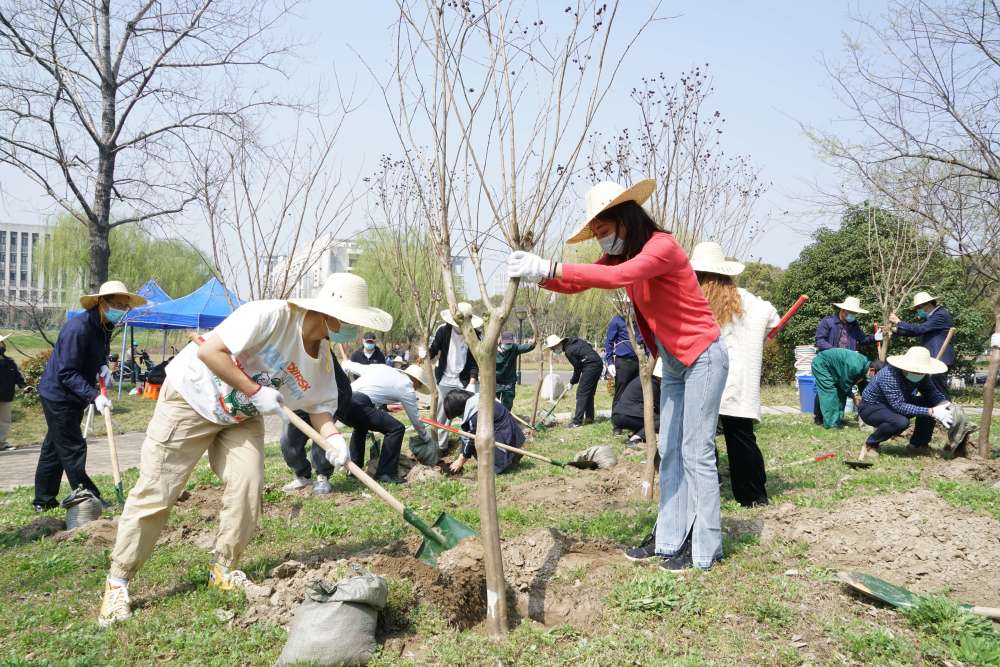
(235, 406)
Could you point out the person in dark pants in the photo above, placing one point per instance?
(68, 386)
(836, 371)
(901, 390)
(365, 416)
(587, 367)
(627, 413)
(932, 331)
(623, 364)
(369, 352)
(10, 377)
(507, 354)
(465, 405)
(841, 330)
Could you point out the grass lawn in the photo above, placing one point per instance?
(765, 604)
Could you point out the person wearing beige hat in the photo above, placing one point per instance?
(69, 384)
(931, 327)
(841, 331)
(267, 355)
(901, 390)
(456, 367)
(745, 320)
(676, 324)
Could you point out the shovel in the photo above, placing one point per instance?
(820, 457)
(897, 596)
(446, 532)
(582, 465)
(540, 426)
(116, 473)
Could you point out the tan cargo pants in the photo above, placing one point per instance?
(176, 439)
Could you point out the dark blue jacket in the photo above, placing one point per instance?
(828, 334)
(81, 349)
(616, 342)
(505, 431)
(932, 333)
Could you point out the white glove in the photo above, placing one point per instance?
(943, 415)
(879, 336)
(531, 267)
(995, 340)
(102, 403)
(338, 455)
(268, 400)
(105, 374)
(471, 386)
(612, 371)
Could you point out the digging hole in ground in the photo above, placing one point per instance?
(552, 579)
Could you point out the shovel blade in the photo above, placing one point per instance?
(583, 465)
(452, 532)
(858, 464)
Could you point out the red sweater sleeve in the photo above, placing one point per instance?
(652, 261)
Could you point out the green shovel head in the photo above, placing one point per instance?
(451, 530)
(882, 590)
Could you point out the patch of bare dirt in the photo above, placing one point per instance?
(99, 533)
(581, 490)
(914, 539)
(966, 470)
(41, 527)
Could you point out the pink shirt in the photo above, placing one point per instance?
(668, 301)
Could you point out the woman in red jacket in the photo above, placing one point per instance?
(672, 312)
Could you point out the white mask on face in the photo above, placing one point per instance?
(612, 244)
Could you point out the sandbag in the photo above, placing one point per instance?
(603, 455)
(426, 452)
(335, 624)
(552, 387)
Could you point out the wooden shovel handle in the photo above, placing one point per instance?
(988, 612)
(372, 485)
(116, 473)
(944, 345)
(466, 434)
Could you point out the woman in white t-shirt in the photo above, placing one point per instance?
(266, 355)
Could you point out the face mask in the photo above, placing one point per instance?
(347, 333)
(369, 346)
(612, 244)
(915, 377)
(851, 318)
(921, 313)
(114, 315)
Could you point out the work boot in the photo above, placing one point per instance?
(297, 484)
(644, 551)
(224, 579)
(321, 486)
(679, 561)
(918, 450)
(872, 451)
(115, 605)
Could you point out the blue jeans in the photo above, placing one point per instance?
(689, 474)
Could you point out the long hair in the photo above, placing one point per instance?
(723, 299)
(639, 227)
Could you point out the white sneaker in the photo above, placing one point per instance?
(296, 484)
(115, 606)
(321, 486)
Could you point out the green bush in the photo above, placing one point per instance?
(32, 369)
(778, 366)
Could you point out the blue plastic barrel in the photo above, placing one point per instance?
(807, 393)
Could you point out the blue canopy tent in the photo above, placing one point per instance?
(151, 291)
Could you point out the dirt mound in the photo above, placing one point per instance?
(915, 539)
(99, 533)
(582, 490)
(966, 470)
(41, 527)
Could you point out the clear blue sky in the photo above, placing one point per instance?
(765, 58)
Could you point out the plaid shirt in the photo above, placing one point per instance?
(892, 389)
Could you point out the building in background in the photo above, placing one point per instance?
(301, 274)
(27, 295)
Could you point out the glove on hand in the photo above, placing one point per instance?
(879, 336)
(338, 455)
(105, 374)
(267, 400)
(102, 403)
(943, 415)
(612, 371)
(526, 265)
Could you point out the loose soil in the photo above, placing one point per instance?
(913, 539)
(582, 490)
(552, 579)
(965, 470)
(99, 533)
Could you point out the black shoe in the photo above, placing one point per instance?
(390, 479)
(644, 551)
(45, 507)
(918, 450)
(680, 560)
(575, 425)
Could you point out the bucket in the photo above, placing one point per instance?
(807, 393)
(81, 507)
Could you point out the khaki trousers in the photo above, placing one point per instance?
(5, 407)
(176, 439)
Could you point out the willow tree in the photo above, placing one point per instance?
(495, 98)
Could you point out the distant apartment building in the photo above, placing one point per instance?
(23, 286)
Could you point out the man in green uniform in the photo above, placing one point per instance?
(836, 371)
(507, 354)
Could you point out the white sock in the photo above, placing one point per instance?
(118, 581)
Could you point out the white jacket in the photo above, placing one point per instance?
(744, 338)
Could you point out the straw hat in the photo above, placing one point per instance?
(464, 308)
(553, 340)
(853, 304)
(917, 360)
(920, 298)
(345, 296)
(658, 368)
(708, 257)
(417, 373)
(606, 195)
(111, 288)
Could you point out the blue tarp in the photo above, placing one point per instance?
(204, 308)
(151, 291)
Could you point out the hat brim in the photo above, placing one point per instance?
(448, 319)
(88, 301)
(917, 304)
(726, 268)
(371, 317)
(5, 337)
(549, 347)
(423, 388)
(859, 311)
(933, 367)
(638, 193)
